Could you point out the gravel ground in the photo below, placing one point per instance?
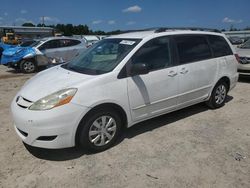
(193, 147)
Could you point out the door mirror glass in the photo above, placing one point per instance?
(138, 69)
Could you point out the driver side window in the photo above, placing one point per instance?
(155, 54)
(50, 45)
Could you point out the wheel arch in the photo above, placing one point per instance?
(122, 113)
(32, 59)
(226, 80)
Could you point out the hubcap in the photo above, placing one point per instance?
(28, 66)
(220, 94)
(102, 130)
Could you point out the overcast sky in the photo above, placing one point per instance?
(110, 15)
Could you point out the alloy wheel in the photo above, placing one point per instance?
(102, 130)
(220, 94)
(28, 66)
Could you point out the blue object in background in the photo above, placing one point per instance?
(13, 54)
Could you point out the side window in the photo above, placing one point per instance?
(192, 48)
(74, 42)
(155, 54)
(69, 42)
(219, 46)
(50, 45)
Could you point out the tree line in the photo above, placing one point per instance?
(70, 29)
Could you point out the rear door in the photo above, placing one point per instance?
(197, 69)
(69, 49)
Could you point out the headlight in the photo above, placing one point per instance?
(55, 99)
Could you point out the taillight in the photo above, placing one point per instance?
(237, 57)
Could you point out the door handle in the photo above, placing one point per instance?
(183, 70)
(172, 73)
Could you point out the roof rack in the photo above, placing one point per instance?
(163, 29)
(139, 30)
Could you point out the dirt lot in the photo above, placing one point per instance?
(194, 147)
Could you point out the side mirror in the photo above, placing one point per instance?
(138, 69)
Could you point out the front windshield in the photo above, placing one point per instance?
(102, 57)
(30, 43)
(246, 44)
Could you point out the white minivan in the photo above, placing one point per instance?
(120, 81)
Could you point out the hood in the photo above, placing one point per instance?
(243, 52)
(50, 81)
(16, 54)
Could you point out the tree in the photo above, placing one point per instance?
(28, 24)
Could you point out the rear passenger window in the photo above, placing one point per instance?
(219, 46)
(50, 45)
(155, 54)
(69, 42)
(192, 48)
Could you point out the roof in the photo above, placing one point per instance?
(153, 33)
(237, 32)
(50, 38)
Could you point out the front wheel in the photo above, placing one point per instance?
(218, 96)
(100, 130)
(28, 66)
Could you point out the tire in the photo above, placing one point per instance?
(28, 66)
(218, 95)
(93, 135)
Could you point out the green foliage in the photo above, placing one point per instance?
(28, 24)
(69, 29)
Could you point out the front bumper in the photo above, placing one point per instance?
(244, 69)
(53, 128)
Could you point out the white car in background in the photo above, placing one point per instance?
(244, 58)
(52, 50)
(120, 81)
(90, 39)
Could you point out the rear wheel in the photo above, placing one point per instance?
(28, 66)
(218, 96)
(100, 130)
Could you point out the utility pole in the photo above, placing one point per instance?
(43, 21)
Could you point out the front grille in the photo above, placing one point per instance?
(244, 71)
(244, 60)
(22, 132)
(22, 106)
(23, 102)
(27, 100)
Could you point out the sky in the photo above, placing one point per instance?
(108, 15)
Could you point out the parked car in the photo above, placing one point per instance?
(90, 39)
(120, 81)
(244, 58)
(235, 40)
(28, 57)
